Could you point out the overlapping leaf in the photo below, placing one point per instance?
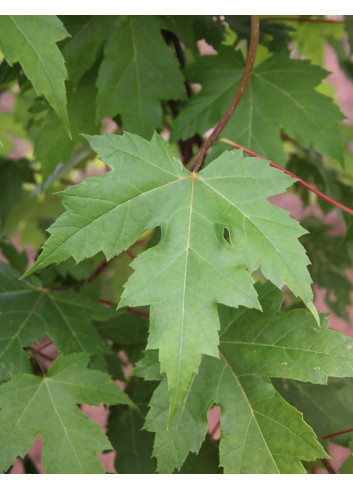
(52, 145)
(27, 313)
(328, 409)
(48, 405)
(133, 445)
(260, 432)
(13, 175)
(148, 187)
(88, 36)
(347, 466)
(31, 40)
(330, 260)
(135, 75)
(280, 93)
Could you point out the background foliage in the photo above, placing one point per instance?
(204, 318)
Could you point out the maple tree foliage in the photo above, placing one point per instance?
(160, 261)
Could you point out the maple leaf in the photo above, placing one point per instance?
(27, 313)
(281, 93)
(31, 40)
(136, 76)
(266, 434)
(320, 405)
(88, 35)
(48, 405)
(52, 145)
(347, 466)
(13, 175)
(260, 432)
(193, 267)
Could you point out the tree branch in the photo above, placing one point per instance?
(250, 60)
(202, 155)
(254, 39)
(105, 263)
(302, 182)
(331, 435)
(328, 466)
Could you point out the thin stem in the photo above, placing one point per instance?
(306, 19)
(129, 309)
(328, 466)
(313, 467)
(98, 270)
(215, 428)
(331, 435)
(39, 353)
(105, 263)
(109, 304)
(250, 60)
(302, 182)
(202, 155)
(106, 303)
(131, 254)
(137, 311)
(254, 39)
(50, 342)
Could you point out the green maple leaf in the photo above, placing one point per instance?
(48, 406)
(320, 405)
(31, 40)
(52, 145)
(347, 466)
(136, 76)
(260, 432)
(88, 36)
(27, 313)
(330, 260)
(280, 93)
(13, 175)
(133, 445)
(193, 267)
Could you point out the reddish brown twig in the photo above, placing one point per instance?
(254, 39)
(313, 467)
(302, 182)
(41, 347)
(137, 311)
(215, 428)
(105, 263)
(202, 155)
(328, 466)
(106, 303)
(130, 253)
(130, 309)
(331, 435)
(39, 353)
(98, 270)
(306, 19)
